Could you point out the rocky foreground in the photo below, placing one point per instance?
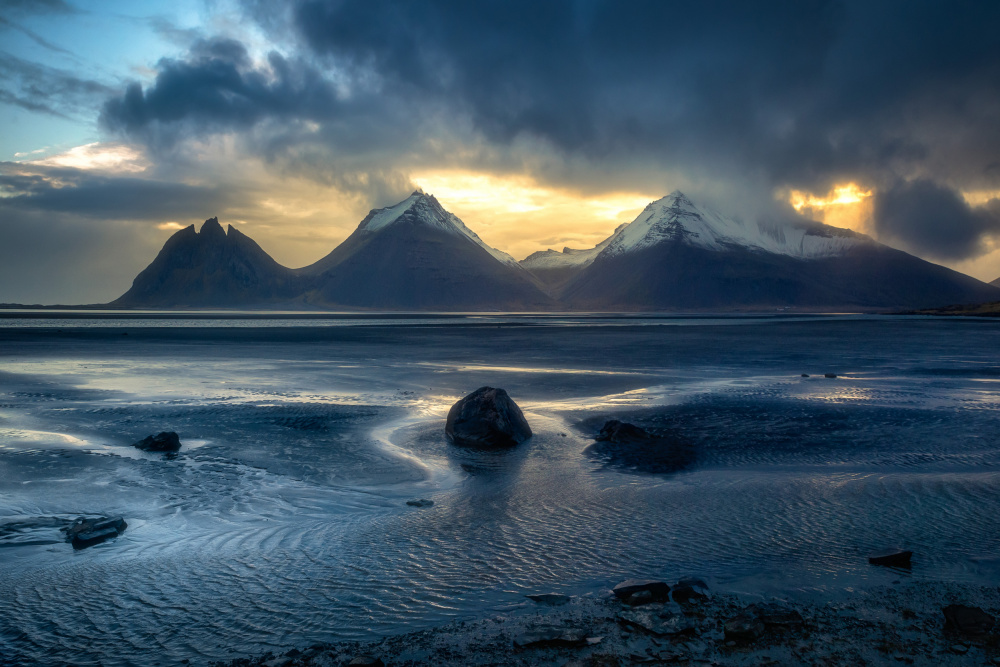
(904, 624)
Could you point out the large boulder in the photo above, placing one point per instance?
(84, 532)
(487, 418)
(968, 621)
(165, 441)
(624, 445)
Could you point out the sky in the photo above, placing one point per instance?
(540, 124)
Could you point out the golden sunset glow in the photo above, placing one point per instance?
(98, 157)
(847, 206)
(520, 216)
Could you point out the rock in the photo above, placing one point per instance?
(744, 628)
(551, 599)
(84, 533)
(968, 621)
(622, 432)
(366, 661)
(830, 375)
(421, 502)
(805, 375)
(551, 636)
(774, 614)
(639, 598)
(891, 558)
(629, 446)
(165, 441)
(960, 649)
(487, 418)
(689, 590)
(626, 590)
(661, 622)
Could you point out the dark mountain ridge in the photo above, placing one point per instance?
(675, 256)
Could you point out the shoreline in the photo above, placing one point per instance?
(888, 625)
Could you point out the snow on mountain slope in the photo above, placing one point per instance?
(675, 217)
(568, 258)
(426, 210)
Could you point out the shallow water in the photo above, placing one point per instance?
(283, 521)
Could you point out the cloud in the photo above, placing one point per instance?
(49, 90)
(733, 100)
(33, 188)
(27, 7)
(935, 221)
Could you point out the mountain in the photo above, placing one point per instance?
(678, 256)
(211, 268)
(417, 256)
(555, 269)
(995, 283)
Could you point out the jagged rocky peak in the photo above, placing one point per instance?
(211, 229)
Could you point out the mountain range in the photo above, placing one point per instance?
(674, 256)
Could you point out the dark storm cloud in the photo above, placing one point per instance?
(84, 194)
(781, 94)
(934, 220)
(217, 89)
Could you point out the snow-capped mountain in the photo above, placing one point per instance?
(676, 255)
(555, 268)
(415, 255)
(676, 218)
(211, 268)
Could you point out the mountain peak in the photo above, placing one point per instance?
(212, 229)
(423, 210)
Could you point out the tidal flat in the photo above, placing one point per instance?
(283, 522)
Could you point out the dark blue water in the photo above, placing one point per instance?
(283, 521)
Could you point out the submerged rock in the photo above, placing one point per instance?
(689, 590)
(551, 636)
(84, 533)
(366, 661)
(744, 628)
(641, 591)
(891, 558)
(775, 614)
(165, 441)
(663, 622)
(626, 445)
(420, 502)
(487, 418)
(968, 621)
(551, 599)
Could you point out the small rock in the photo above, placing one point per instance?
(689, 590)
(744, 628)
(969, 621)
(551, 599)
(776, 614)
(487, 418)
(626, 590)
(366, 661)
(84, 533)
(639, 598)
(960, 649)
(421, 502)
(891, 558)
(829, 375)
(551, 636)
(664, 622)
(165, 441)
(805, 375)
